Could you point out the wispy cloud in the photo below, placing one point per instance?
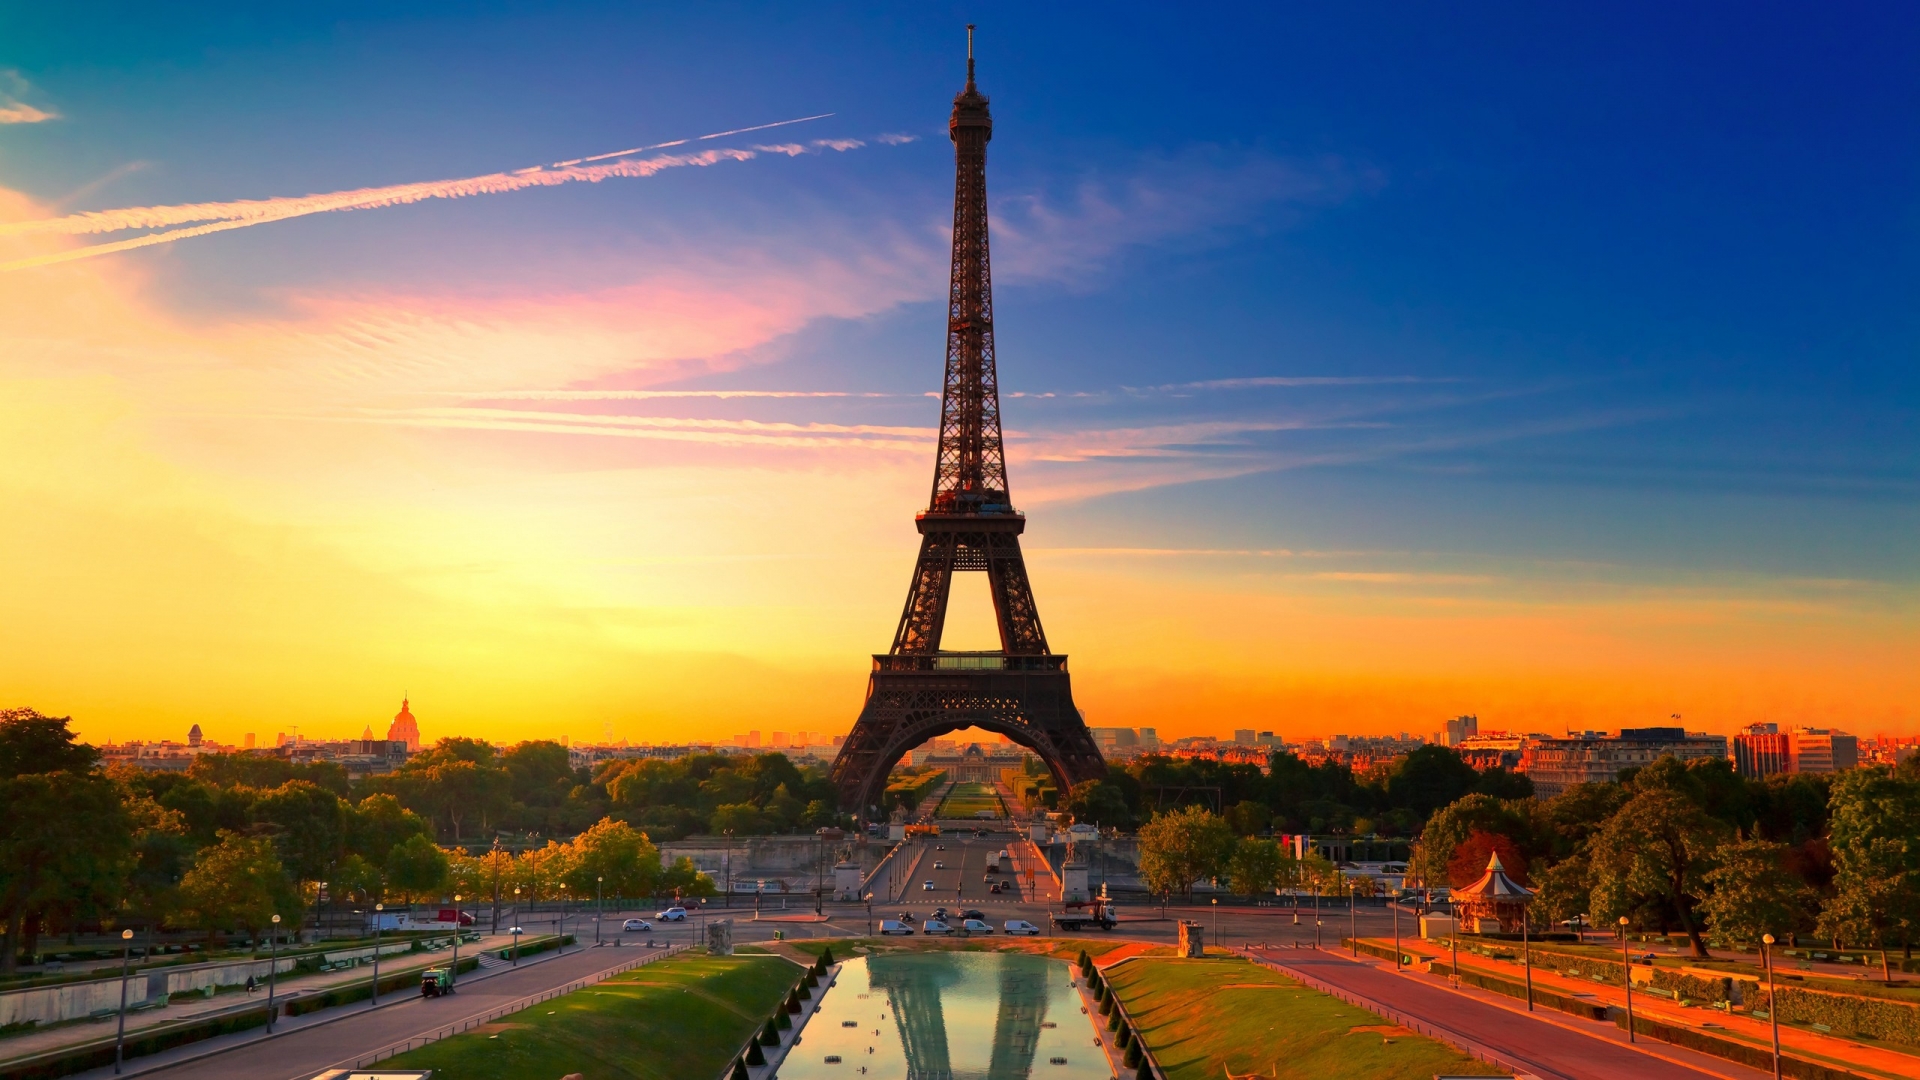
(1260, 381)
(15, 111)
(729, 432)
(222, 216)
(650, 395)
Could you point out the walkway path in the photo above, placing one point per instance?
(1553, 1047)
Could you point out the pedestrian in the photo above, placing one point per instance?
(250, 984)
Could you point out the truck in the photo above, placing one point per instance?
(436, 981)
(1098, 913)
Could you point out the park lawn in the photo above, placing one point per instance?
(1200, 1017)
(668, 1020)
(969, 798)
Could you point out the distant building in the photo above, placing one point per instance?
(193, 735)
(1494, 750)
(1822, 750)
(1762, 750)
(1243, 736)
(1460, 729)
(404, 729)
(1556, 764)
(976, 764)
(249, 741)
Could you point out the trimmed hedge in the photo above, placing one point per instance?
(1873, 1017)
(1751, 1056)
(148, 1041)
(536, 946)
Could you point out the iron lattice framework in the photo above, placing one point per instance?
(918, 691)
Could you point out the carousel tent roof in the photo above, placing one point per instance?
(1495, 884)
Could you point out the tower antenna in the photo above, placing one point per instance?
(969, 54)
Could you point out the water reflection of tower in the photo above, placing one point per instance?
(916, 987)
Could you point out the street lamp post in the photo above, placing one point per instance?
(377, 909)
(319, 897)
(1626, 969)
(1353, 916)
(453, 976)
(1453, 935)
(869, 914)
(120, 1036)
(494, 858)
(1216, 921)
(273, 967)
(1773, 1013)
(1526, 952)
(1394, 904)
(515, 931)
(599, 908)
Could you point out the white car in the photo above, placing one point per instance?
(895, 926)
(927, 885)
(672, 914)
(977, 926)
(1021, 926)
(935, 926)
(938, 865)
(636, 924)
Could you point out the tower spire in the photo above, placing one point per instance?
(969, 56)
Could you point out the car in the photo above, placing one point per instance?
(935, 926)
(939, 847)
(1021, 926)
(977, 926)
(1004, 856)
(636, 924)
(938, 865)
(972, 914)
(927, 885)
(675, 913)
(895, 926)
(907, 917)
(994, 888)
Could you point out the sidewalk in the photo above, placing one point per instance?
(1831, 1050)
(286, 988)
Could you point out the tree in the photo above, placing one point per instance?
(1471, 857)
(1099, 802)
(1430, 778)
(417, 869)
(237, 882)
(683, 880)
(378, 823)
(31, 743)
(1451, 826)
(740, 819)
(309, 827)
(1874, 825)
(460, 789)
(618, 853)
(1654, 854)
(1752, 893)
(65, 845)
(1566, 890)
(1256, 866)
(355, 876)
(1249, 818)
(1181, 847)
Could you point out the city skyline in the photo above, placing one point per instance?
(1392, 375)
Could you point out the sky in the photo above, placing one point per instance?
(1363, 365)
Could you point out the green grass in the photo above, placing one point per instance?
(667, 1020)
(1200, 1017)
(969, 798)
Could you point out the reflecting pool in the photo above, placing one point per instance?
(949, 1016)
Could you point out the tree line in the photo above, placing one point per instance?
(237, 839)
(1691, 848)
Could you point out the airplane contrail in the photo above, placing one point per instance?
(220, 216)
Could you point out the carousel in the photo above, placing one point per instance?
(1495, 903)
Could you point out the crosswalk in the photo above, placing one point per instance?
(491, 960)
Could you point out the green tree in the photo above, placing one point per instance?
(1752, 893)
(355, 876)
(1451, 826)
(1099, 802)
(1256, 867)
(417, 869)
(378, 823)
(1249, 817)
(1654, 854)
(1875, 837)
(684, 880)
(740, 819)
(1430, 778)
(617, 858)
(32, 744)
(1181, 847)
(237, 882)
(308, 826)
(1566, 891)
(65, 846)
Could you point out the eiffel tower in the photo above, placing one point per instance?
(917, 690)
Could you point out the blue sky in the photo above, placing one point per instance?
(1619, 298)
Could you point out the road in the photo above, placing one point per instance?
(1553, 1046)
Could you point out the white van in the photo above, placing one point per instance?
(894, 926)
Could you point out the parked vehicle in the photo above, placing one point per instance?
(454, 915)
(636, 924)
(435, 982)
(935, 926)
(1021, 926)
(672, 914)
(895, 926)
(977, 926)
(972, 914)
